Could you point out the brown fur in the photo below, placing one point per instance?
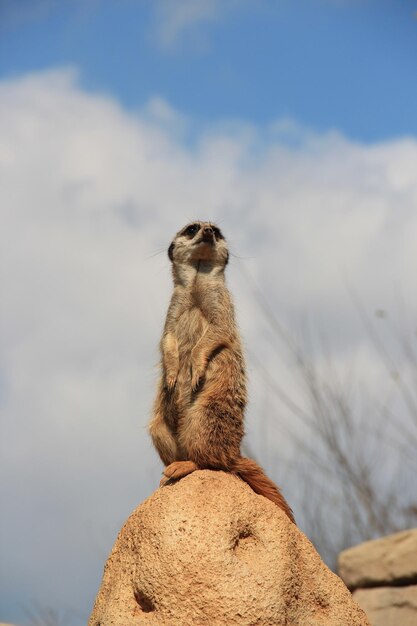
(199, 409)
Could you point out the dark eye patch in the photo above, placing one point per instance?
(171, 251)
(191, 230)
(217, 232)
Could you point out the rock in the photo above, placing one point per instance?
(208, 550)
(381, 561)
(389, 606)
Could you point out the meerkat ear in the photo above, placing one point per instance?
(171, 251)
(227, 259)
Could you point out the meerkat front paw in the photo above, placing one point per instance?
(171, 361)
(170, 381)
(171, 374)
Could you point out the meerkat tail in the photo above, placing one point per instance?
(256, 478)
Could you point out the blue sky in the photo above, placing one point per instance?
(291, 123)
(325, 63)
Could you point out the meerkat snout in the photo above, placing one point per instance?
(208, 234)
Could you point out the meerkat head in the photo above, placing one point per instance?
(199, 241)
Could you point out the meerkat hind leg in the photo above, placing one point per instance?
(163, 439)
(177, 470)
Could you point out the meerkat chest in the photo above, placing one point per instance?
(191, 326)
(194, 313)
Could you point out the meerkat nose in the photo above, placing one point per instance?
(208, 234)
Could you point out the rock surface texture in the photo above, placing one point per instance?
(208, 550)
(384, 574)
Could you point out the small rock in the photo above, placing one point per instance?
(381, 561)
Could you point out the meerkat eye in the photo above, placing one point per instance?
(217, 232)
(191, 230)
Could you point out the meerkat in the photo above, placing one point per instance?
(198, 417)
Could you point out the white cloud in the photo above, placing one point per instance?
(173, 18)
(89, 195)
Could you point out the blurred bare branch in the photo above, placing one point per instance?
(356, 454)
